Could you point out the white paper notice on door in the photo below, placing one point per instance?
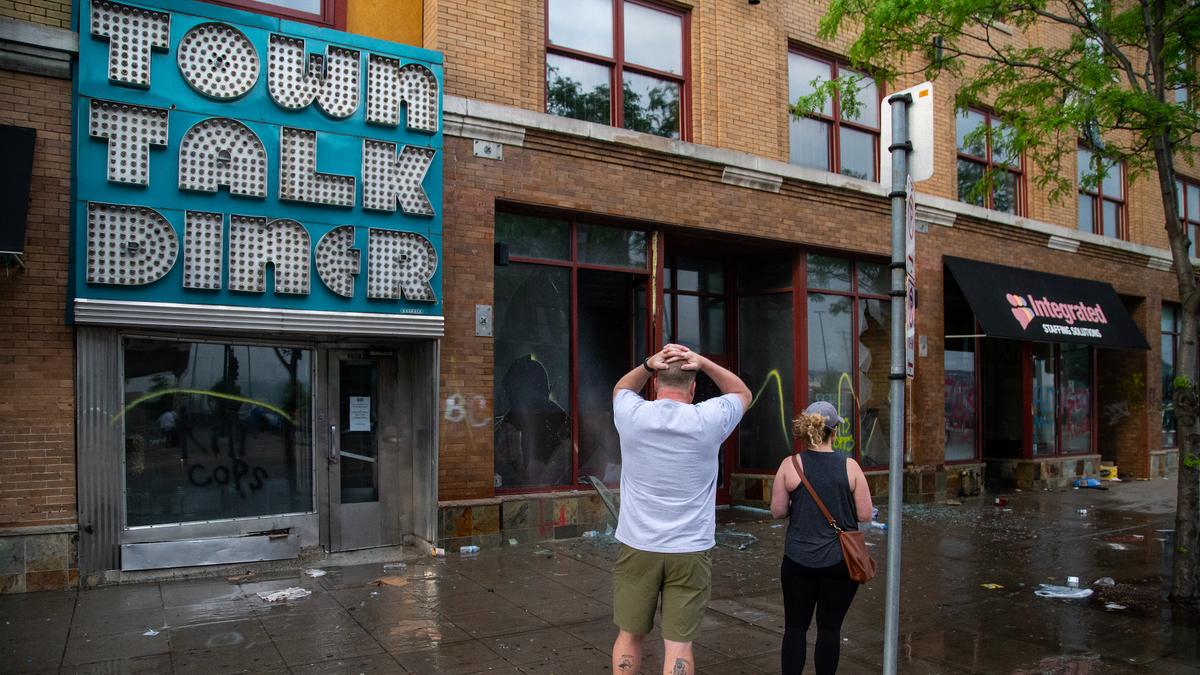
(360, 413)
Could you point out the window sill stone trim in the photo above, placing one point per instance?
(520, 497)
(35, 530)
(755, 180)
(36, 49)
(476, 111)
(934, 216)
(1063, 244)
(483, 129)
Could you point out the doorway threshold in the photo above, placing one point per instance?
(310, 558)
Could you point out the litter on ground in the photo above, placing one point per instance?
(991, 587)
(1113, 605)
(1051, 591)
(315, 573)
(286, 594)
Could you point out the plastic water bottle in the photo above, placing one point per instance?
(468, 550)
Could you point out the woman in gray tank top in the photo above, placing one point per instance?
(814, 574)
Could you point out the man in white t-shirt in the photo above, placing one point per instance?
(668, 502)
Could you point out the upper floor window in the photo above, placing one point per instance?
(833, 138)
(331, 13)
(982, 149)
(1102, 207)
(618, 62)
(1189, 211)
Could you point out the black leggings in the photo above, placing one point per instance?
(829, 591)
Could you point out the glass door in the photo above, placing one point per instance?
(695, 298)
(363, 450)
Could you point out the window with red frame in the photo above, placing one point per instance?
(570, 318)
(833, 139)
(988, 175)
(1189, 211)
(330, 13)
(618, 62)
(1102, 206)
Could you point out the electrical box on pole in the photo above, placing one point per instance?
(920, 134)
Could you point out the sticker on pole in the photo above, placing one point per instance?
(910, 324)
(910, 229)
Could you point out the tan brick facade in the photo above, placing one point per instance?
(37, 434)
(576, 174)
(55, 13)
(495, 53)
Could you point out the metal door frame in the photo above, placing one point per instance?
(396, 494)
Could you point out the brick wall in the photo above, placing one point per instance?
(578, 174)
(37, 442)
(1002, 245)
(496, 52)
(56, 13)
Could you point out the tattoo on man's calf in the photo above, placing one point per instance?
(626, 663)
(680, 667)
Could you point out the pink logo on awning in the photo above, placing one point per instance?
(1020, 309)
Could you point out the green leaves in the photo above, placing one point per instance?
(1109, 74)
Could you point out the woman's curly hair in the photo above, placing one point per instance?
(811, 427)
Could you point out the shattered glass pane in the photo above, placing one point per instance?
(606, 301)
(830, 367)
(874, 362)
(533, 379)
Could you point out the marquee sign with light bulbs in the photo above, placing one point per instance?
(240, 160)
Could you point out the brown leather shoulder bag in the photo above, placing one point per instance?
(854, 548)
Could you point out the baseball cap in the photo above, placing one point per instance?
(826, 410)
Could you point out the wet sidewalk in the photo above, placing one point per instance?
(547, 608)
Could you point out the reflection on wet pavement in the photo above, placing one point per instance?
(967, 604)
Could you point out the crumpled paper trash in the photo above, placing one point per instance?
(285, 594)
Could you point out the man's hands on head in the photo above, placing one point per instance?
(672, 353)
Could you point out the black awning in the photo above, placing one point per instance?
(1025, 305)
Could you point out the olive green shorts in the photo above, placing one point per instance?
(683, 579)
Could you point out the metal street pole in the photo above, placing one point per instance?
(899, 148)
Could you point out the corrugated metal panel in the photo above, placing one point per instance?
(98, 448)
(426, 376)
(222, 551)
(253, 319)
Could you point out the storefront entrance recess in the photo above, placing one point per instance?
(367, 449)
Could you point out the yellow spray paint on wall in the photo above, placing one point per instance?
(201, 392)
(392, 20)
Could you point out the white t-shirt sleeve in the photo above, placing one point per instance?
(625, 403)
(723, 413)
